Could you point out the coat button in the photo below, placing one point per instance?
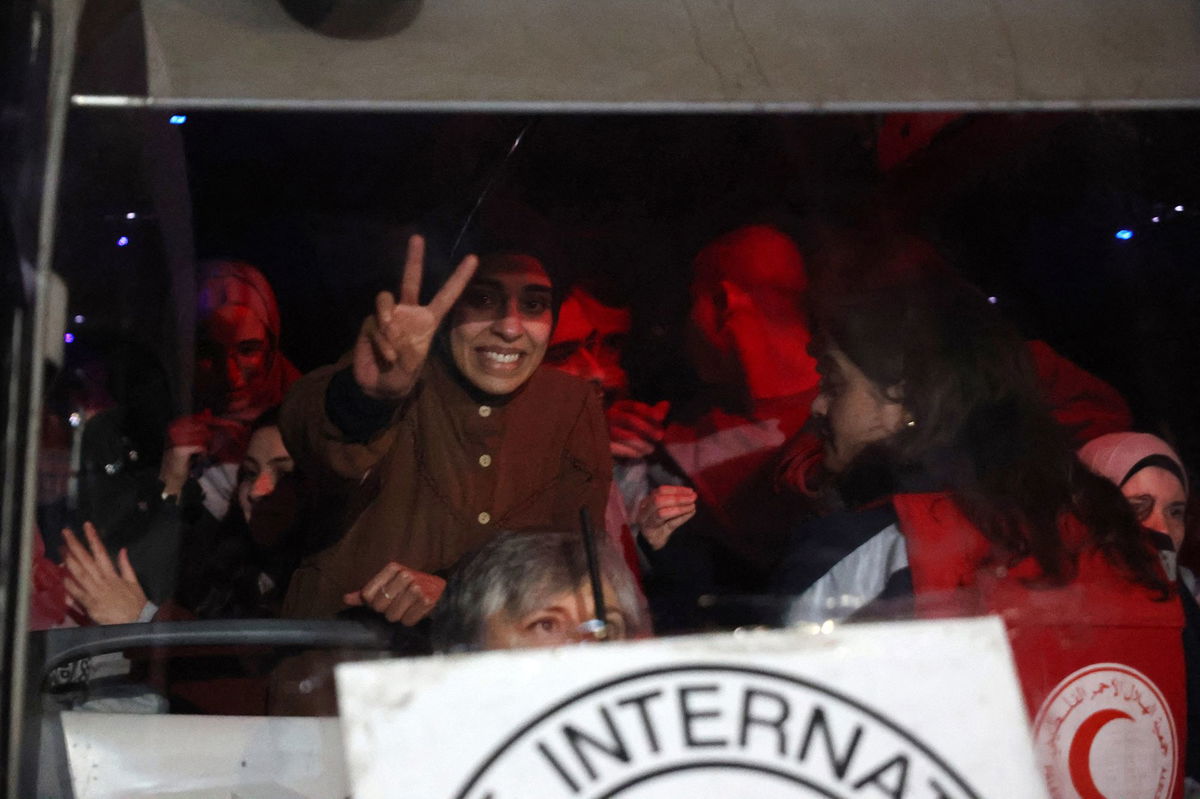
(485, 517)
(485, 411)
(485, 460)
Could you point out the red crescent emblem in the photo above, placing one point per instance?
(1081, 751)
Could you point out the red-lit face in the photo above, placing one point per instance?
(501, 324)
(746, 327)
(709, 340)
(588, 341)
(232, 360)
(850, 411)
(758, 342)
(1158, 501)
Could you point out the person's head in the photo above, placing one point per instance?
(746, 326)
(925, 387)
(499, 329)
(532, 589)
(266, 460)
(918, 363)
(587, 342)
(851, 411)
(1150, 475)
(497, 333)
(236, 340)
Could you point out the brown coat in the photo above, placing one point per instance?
(444, 475)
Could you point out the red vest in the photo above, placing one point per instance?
(1100, 660)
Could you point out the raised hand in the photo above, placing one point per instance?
(187, 438)
(663, 511)
(635, 428)
(399, 593)
(108, 594)
(196, 436)
(394, 342)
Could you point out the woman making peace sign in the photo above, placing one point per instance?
(438, 430)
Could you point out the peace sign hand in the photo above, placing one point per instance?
(394, 342)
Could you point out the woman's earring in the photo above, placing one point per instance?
(911, 423)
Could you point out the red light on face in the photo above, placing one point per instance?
(746, 324)
(588, 340)
(231, 360)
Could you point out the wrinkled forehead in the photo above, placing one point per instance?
(578, 599)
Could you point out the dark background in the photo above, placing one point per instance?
(1027, 204)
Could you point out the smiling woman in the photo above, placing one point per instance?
(434, 453)
(500, 327)
(436, 431)
(151, 133)
(1150, 475)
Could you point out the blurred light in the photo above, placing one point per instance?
(1155, 219)
(1124, 234)
(75, 419)
(178, 119)
(1179, 208)
(827, 626)
(79, 320)
(124, 240)
(69, 338)
(992, 300)
(131, 215)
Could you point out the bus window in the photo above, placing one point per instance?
(216, 527)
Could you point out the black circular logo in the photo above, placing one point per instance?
(715, 730)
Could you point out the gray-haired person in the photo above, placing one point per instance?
(532, 589)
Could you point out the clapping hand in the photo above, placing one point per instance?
(107, 594)
(663, 511)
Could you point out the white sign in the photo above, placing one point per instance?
(913, 710)
(121, 755)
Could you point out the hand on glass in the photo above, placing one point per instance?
(662, 512)
(399, 593)
(635, 428)
(394, 341)
(107, 594)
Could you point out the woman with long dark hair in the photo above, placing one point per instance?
(949, 484)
